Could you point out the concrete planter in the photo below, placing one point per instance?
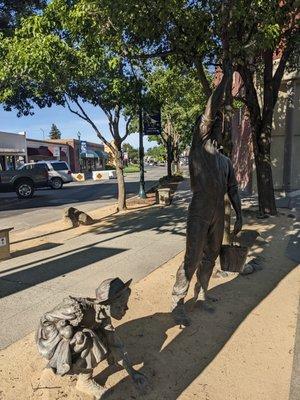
(164, 196)
(79, 177)
(106, 174)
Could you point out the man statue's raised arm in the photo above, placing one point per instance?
(214, 103)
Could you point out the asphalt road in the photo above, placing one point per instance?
(47, 204)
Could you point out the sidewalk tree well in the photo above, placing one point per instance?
(54, 132)
(200, 34)
(68, 55)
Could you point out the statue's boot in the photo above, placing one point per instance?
(179, 314)
(87, 385)
(201, 296)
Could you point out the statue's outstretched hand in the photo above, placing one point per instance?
(141, 382)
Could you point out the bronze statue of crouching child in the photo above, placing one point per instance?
(78, 334)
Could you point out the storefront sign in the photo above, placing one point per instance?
(83, 147)
(56, 151)
(152, 123)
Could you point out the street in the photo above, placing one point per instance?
(87, 196)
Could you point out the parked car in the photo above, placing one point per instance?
(59, 173)
(24, 181)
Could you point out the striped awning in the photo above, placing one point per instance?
(102, 154)
(89, 154)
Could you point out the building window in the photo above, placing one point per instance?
(10, 163)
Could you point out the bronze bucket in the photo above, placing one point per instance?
(233, 257)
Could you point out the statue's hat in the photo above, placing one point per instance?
(110, 289)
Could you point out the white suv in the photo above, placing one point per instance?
(59, 173)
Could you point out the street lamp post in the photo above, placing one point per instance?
(79, 149)
(142, 193)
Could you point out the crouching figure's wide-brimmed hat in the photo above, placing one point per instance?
(110, 289)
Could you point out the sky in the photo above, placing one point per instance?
(38, 125)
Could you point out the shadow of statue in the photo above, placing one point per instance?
(171, 366)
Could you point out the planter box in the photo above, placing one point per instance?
(79, 177)
(4, 243)
(164, 196)
(105, 174)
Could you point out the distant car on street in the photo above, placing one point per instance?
(59, 172)
(24, 181)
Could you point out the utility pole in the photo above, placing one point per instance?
(142, 193)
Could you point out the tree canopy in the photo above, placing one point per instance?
(54, 132)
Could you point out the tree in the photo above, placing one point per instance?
(64, 56)
(157, 153)
(12, 11)
(133, 154)
(202, 34)
(177, 91)
(268, 46)
(54, 132)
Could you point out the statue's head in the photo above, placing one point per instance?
(115, 294)
(217, 128)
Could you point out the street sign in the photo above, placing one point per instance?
(152, 123)
(56, 151)
(83, 147)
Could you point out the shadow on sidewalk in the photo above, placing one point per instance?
(41, 247)
(45, 271)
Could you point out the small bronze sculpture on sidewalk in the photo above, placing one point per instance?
(74, 217)
(78, 334)
(211, 176)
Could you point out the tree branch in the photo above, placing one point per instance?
(203, 79)
(277, 78)
(126, 129)
(86, 118)
(251, 97)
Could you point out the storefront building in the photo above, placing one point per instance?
(85, 156)
(12, 150)
(41, 150)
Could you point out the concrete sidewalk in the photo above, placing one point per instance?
(130, 246)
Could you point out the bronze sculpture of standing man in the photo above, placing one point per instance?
(211, 176)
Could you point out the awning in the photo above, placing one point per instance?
(102, 154)
(10, 151)
(89, 154)
(41, 151)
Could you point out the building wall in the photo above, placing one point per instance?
(285, 148)
(12, 150)
(74, 147)
(59, 151)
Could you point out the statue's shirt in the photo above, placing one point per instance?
(212, 175)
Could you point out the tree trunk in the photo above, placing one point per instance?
(176, 160)
(169, 158)
(265, 188)
(120, 179)
(262, 157)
